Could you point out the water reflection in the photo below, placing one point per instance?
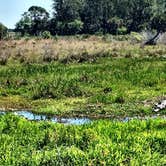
(36, 117)
(73, 121)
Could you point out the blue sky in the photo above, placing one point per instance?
(11, 10)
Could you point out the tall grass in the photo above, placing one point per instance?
(69, 50)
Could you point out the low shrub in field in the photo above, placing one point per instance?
(46, 35)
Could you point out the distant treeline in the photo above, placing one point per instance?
(72, 17)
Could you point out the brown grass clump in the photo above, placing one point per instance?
(67, 50)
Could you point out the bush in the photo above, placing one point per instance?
(136, 37)
(122, 30)
(46, 35)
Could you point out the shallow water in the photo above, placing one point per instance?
(41, 117)
(72, 121)
(2, 112)
(127, 119)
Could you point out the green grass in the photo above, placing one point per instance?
(92, 78)
(107, 87)
(99, 143)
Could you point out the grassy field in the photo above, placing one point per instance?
(90, 77)
(100, 143)
(72, 77)
(107, 87)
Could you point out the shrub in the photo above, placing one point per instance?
(136, 37)
(46, 35)
(122, 30)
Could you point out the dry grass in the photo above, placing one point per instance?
(72, 50)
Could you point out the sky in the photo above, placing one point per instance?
(11, 10)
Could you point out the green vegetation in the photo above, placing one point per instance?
(100, 143)
(108, 75)
(121, 81)
(71, 17)
(33, 22)
(3, 31)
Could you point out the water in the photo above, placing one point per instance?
(127, 119)
(2, 113)
(72, 121)
(36, 117)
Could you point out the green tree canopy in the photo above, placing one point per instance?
(158, 20)
(24, 25)
(67, 14)
(87, 16)
(3, 31)
(34, 21)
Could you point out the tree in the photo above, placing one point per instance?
(114, 24)
(138, 14)
(158, 21)
(39, 18)
(3, 31)
(34, 21)
(87, 16)
(67, 10)
(52, 26)
(96, 15)
(67, 16)
(24, 25)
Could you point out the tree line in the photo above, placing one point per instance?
(3, 31)
(72, 17)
